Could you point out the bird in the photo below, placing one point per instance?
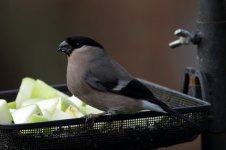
(97, 79)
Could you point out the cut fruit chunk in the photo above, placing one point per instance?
(25, 91)
(23, 115)
(5, 115)
(37, 101)
(91, 110)
(49, 104)
(60, 115)
(12, 105)
(43, 90)
(30, 102)
(84, 108)
(74, 112)
(37, 118)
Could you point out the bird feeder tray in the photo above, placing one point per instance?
(143, 130)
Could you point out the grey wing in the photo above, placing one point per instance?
(113, 78)
(106, 75)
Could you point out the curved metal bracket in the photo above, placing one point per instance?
(195, 83)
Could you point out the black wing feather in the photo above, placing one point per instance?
(137, 90)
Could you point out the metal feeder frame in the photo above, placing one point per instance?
(144, 130)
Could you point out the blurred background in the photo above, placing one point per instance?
(135, 33)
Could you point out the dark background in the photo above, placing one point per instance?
(135, 32)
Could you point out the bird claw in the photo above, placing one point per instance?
(90, 118)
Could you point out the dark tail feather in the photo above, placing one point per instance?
(136, 89)
(173, 112)
(179, 115)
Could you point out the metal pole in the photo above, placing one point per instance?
(212, 61)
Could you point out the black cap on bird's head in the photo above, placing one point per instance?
(75, 42)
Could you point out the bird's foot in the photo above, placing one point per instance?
(90, 118)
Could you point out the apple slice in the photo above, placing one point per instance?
(92, 110)
(43, 90)
(76, 100)
(74, 112)
(78, 103)
(49, 104)
(47, 114)
(23, 115)
(31, 102)
(37, 118)
(83, 107)
(60, 115)
(12, 105)
(12, 110)
(64, 103)
(5, 115)
(25, 91)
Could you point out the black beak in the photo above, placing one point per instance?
(59, 49)
(64, 47)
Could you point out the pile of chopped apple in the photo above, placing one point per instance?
(37, 101)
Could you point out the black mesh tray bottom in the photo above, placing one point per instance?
(144, 130)
(137, 133)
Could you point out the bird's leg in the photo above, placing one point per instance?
(90, 118)
(111, 113)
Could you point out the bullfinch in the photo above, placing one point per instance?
(98, 80)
